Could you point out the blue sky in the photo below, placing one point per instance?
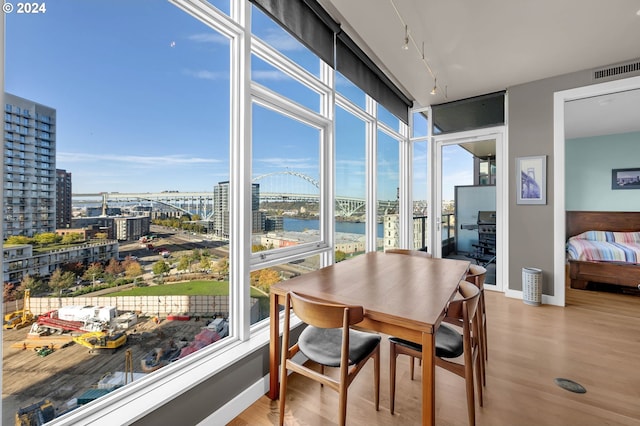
(141, 91)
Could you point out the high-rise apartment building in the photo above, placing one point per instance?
(63, 199)
(29, 167)
(221, 209)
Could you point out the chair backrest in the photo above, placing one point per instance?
(409, 252)
(476, 275)
(464, 308)
(325, 315)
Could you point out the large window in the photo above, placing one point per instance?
(208, 163)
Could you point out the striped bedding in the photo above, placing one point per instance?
(605, 246)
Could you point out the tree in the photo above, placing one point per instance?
(35, 285)
(222, 267)
(71, 238)
(161, 267)
(94, 270)
(47, 238)
(114, 267)
(257, 247)
(340, 256)
(76, 267)
(265, 278)
(19, 239)
(133, 269)
(60, 280)
(9, 292)
(205, 263)
(183, 263)
(101, 236)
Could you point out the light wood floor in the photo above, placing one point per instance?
(594, 340)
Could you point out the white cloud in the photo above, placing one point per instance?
(138, 160)
(282, 41)
(206, 75)
(269, 75)
(214, 38)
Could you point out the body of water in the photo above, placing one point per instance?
(293, 224)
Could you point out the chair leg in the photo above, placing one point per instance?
(376, 378)
(392, 376)
(468, 379)
(483, 313)
(411, 362)
(283, 392)
(342, 413)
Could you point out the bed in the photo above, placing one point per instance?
(610, 255)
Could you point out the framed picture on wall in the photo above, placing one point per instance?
(625, 178)
(531, 178)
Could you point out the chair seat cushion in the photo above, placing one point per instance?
(449, 342)
(322, 345)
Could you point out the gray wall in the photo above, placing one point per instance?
(530, 124)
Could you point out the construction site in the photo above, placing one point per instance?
(50, 374)
(59, 358)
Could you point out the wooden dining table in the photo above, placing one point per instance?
(404, 296)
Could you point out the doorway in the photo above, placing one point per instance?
(468, 187)
(559, 101)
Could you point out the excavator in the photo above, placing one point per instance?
(20, 318)
(99, 341)
(36, 414)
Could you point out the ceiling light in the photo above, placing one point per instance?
(405, 46)
(435, 86)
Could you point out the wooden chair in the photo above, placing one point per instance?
(450, 344)
(409, 252)
(476, 275)
(329, 342)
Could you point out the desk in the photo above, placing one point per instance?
(403, 296)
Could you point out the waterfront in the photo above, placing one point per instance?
(299, 225)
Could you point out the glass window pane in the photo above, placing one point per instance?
(263, 279)
(142, 109)
(420, 195)
(389, 119)
(420, 125)
(277, 37)
(222, 5)
(276, 80)
(286, 173)
(388, 192)
(350, 185)
(346, 88)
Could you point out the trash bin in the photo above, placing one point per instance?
(532, 286)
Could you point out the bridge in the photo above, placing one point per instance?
(202, 203)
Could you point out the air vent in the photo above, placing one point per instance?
(628, 69)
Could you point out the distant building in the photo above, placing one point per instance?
(221, 210)
(121, 228)
(63, 199)
(274, 223)
(131, 228)
(29, 167)
(20, 260)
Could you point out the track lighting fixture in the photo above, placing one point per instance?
(405, 46)
(409, 39)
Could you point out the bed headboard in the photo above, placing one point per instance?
(581, 221)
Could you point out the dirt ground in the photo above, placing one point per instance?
(70, 371)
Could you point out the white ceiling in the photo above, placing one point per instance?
(475, 47)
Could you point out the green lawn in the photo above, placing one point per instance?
(189, 288)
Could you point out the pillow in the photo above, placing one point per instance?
(626, 237)
(595, 236)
